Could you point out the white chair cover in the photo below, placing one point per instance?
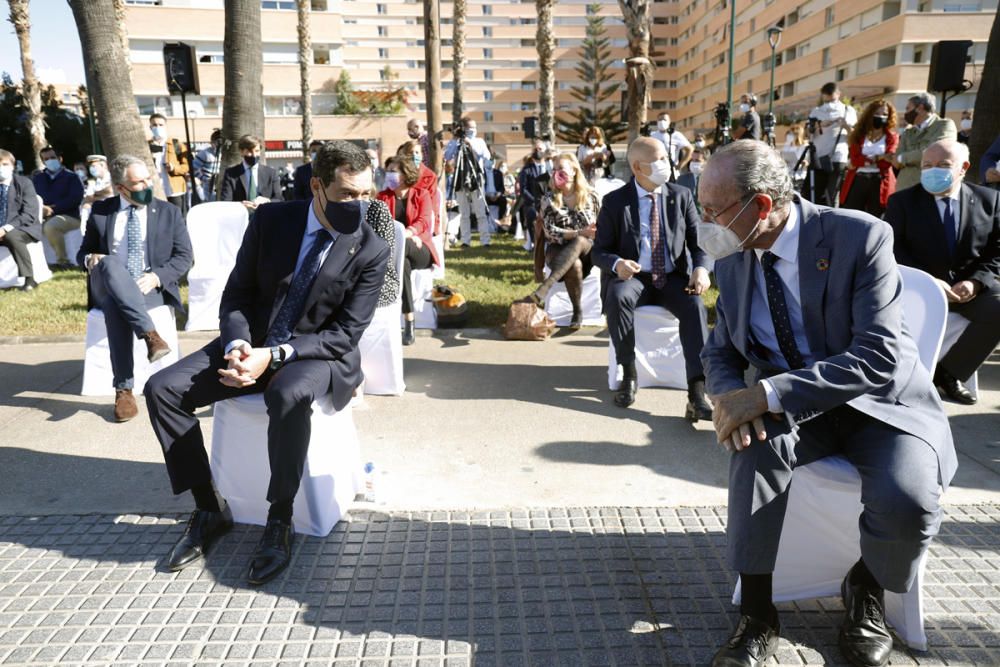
(73, 240)
(954, 328)
(820, 537)
(216, 230)
(240, 467)
(8, 269)
(381, 344)
(98, 379)
(424, 315)
(659, 357)
(439, 245)
(559, 308)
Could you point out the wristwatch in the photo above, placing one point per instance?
(277, 357)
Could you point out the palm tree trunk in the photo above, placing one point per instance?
(31, 91)
(545, 43)
(305, 65)
(243, 110)
(636, 14)
(432, 80)
(986, 120)
(458, 60)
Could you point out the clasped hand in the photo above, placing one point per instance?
(738, 416)
(961, 292)
(245, 365)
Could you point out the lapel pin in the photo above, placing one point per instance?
(351, 251)
(822, 264)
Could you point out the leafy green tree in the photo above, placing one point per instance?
(598, 106)
(347, 100)
(63, 129)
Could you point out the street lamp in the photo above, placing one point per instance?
(773, 38)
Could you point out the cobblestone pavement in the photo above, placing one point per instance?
(532, 587)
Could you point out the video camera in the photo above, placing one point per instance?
(722, 116)
(812, 125)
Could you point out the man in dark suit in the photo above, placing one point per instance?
(810, 298)
(250, 182)
(304, 288)
(303, 173)
(19, 223)
(647, 248)
(692, 172)
(951, 230)
(136, 249)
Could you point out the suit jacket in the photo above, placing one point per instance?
(168, 246)
(920, 241)
(618, 234)
(689, 181)
(340, 304)
(22, 207)
(234, 187)
(300, 181)
(852, 313)
(912, 143)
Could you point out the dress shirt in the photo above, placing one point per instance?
(6, 186)
(645, 231)
(118, 248)
(786, 247)
(673, 142)
(956, 202)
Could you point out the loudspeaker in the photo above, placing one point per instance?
(947, 71)
(179, 65)
(530, 127)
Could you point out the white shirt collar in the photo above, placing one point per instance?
(313, 224)
(927, 121)
(643, 192)
(786, 246)
(954, 196)
(123, 204)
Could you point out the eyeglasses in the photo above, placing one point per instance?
(708, 215)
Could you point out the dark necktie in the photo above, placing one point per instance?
(659, 260)
(949, 227)
(133, 236)
(3, 205)
(779, 313)
(291, 308)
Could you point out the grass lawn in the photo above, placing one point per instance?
(489, 278)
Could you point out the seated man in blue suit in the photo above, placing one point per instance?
(304, 288)
(136, 249)
(810, 297)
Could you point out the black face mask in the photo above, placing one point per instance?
(878, 122)
(345, 216)
(910, 116)
(251, 160)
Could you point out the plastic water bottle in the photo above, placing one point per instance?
(369, 482)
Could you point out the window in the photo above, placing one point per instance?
(318, 5)
(488, 95)
(841, 74)
(383, 54)
(487, 75)
(826, 58)
(918, 56)
(528, 85)
(487, 31)
(891, 9)
(381, 8)
(276, 4)
(383, 31)
(829, 17)
(793, 18)
(487, 10)
(487, 53)
(886, 58)
(488, 116)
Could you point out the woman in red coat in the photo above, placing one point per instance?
(413, 208)
(426, 178)
(869, 179)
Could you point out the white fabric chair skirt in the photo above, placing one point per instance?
(8, 269)
(559, 308)
(659, 358)
(424, 315)
(439, 245)
(954, 328)
(98, 380)
(73, 240)
(241, 470)
(820, 542)
(204, 299)
(381, 349)
(216, 230)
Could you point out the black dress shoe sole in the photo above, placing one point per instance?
(205, 548)
(623, 402)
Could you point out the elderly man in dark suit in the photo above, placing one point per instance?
(810, 298)
(250, 182)
(951, 230)
(647, 248)
(19, 223)
(304, 288)
(136, 249)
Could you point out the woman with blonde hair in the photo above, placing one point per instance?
(594, 155)
(568, 220)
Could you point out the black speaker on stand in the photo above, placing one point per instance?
(180, 66)
(947, 71)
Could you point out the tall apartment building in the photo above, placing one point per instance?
(871, 47)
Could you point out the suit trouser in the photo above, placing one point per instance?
(174, 393)
(624, 296)
(126, 312)
(899, 490)
(17, 242)
(55, 229)
(469, 203)
(979, 339)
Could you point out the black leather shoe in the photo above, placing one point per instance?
(751, 645)
(203, 529)
(698, 406)
(576, 321)
(408, 337)
(274, 552)
(630, 385)
(953, 388)
(29, 285)
(864, 639)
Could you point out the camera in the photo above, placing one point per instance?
(812, 124)
(722, 116)
(769, 124)
(458, 131)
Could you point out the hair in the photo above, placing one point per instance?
(407, 169)
(337, 154)
(216, 134)
(595, 131)
(466, 120)
(865, 121)
(581, 189)
(154, 116)
(799, 132)
(408, 148)
(7, 155)
(120, 165)
(662, 114)
(315, 142)
(48, 149)
(756, 168)
(926, 100)
(751, 99)
(829, 88)
(248, 142)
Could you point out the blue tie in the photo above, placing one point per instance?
(950, 235)
(291, 309)
(3, 205)
(779, 313)
(133, 236)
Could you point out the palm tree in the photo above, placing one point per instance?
(243, 111)
(30, 89)
(458, 59)
(545, 42)
(636, 14)
(432, 79)
(305, 63)
(986, 127)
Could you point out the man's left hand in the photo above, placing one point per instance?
(966, 290)
(261, 200)
(147, 282)
(699, 282)
(244, 372)
(736, 415)
(3, 232)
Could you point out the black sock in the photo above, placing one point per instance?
(206, 498)
(756, 598)
(860, 575)
(280, 511)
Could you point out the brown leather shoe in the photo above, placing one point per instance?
(156, 347)
(125, 407)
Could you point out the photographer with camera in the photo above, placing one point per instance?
(468, 155)
(677, 145)
(829, 125)
(750, 124)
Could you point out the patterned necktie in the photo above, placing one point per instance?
(295, 300)
(779, 313)
(659, 259)
(950, 236)
(251, 186)
(3, 205)
(133, 236)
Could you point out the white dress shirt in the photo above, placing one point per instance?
(956, 213)
(645, 231)
(786, 247)
(118, 246)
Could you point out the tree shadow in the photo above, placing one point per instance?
(32, 386)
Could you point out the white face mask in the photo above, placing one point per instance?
(592, 141)
(159, 131)
(663, 125)
(719, 241)
(966, 124)
(696, 167)
(744, 108)
(6, 172)
(660, 172)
